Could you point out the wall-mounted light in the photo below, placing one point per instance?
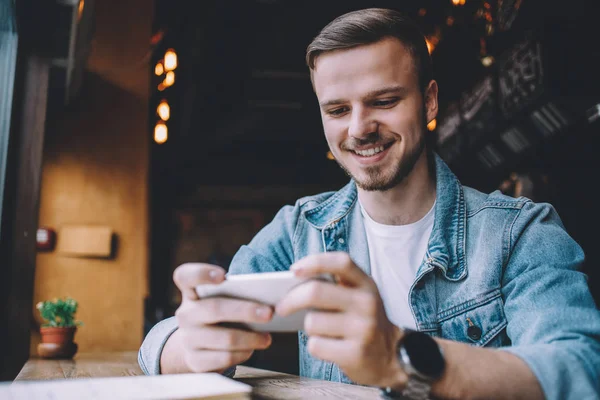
(163, 110)
(487, 61)
(330, 156)
(161, 132)
(158, 69)
(170, 60)
(432, 41)
(432, 124)
(169, 79)
(45, 239)
(80, 9)
(430, 46)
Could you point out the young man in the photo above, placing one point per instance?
(442, 290)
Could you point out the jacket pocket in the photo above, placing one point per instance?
(479, 321)
(310, 366)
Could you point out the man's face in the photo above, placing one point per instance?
(373, 111)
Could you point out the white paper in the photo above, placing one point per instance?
(177, 386)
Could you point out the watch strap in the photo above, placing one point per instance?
(416, 388)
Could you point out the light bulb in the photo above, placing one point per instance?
(158, 70)
(163, 110)
(161, 133)
(432, 124)
(170, 60)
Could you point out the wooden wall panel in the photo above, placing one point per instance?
(95, 173)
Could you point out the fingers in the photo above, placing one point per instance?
(214, 360)
(214, 348)
(337, 325)
(337, 263)
(188, 276)
(315, 294)
(220, 338)
(218, 309)
(340, 351)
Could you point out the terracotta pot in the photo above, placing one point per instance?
(57, 342)
(57, 335)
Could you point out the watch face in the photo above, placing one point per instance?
(424, 353)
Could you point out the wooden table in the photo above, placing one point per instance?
(265, 384)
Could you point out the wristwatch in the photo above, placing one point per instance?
(423, 361)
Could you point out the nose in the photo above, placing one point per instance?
(361, 123)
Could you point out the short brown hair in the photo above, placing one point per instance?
(369, 26)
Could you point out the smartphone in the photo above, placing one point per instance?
(266, 288)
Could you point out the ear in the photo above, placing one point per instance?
(431, 101)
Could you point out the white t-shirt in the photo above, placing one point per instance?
(396, 252)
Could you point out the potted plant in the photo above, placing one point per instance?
(59, 331)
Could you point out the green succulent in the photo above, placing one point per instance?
(59, 312)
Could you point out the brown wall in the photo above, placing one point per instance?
(95, 173)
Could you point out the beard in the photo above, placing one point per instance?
(377, 178)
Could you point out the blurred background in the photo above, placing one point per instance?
(172, 131)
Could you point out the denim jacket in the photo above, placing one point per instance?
(504, 265)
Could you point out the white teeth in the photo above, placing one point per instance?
(369, 152)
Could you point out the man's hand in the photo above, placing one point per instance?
(351, 328)
(200, 344)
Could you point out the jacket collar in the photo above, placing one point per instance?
(446, 248)
(334, 208)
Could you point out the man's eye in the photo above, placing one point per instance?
(337, 111)
(385, 103)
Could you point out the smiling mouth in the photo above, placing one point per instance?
(372, 151)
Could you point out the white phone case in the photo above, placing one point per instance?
(266, 288)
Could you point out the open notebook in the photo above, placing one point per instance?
(176, 387)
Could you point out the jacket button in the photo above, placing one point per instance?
(474, 332)
(341, 240)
